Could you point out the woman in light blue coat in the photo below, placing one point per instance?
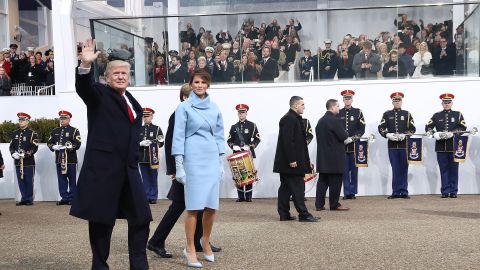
(198, 146)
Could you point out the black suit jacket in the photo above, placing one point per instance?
(109, 181)
(222, 75)
(446, 64)
(292, 146)
(269, 70)
(330, 135)
(176, 192)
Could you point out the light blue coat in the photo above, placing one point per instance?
(198, 136)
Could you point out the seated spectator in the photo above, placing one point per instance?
(421, 60)
(160, 71)
(176, 73)
(365, 63)
(404, 57)
(345, 63)
(251, 71)
(269, 66)
(306, 64)
(201, 30)
(34, 72)
(210, 61)
(272, 30)
(5, 83)
(6, 65)
(443, 58)
(394, 68)
(191, 66)
(223, 70)
(235, 52)
(223, 37)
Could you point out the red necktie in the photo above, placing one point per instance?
(129, 110)
(130, 113)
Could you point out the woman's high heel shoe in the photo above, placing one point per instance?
(210, 258)
(189, 263)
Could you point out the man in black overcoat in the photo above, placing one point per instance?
(269, 66)
(292, 162)
(110, 185)
(330, 136)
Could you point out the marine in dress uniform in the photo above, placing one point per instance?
(329, 63)
(354, 124)
(394, 126)
(148, 134)
(244, 136)
(306, 64)
(442, 125)
(65, 141)
(23, 146)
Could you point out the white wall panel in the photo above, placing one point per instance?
(268, 103)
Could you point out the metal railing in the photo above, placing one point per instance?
(22, 89)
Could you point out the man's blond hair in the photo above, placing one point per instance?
(115, 64)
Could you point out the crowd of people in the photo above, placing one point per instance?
(30, 68)
(416, 50)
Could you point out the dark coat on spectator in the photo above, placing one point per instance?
(407, 62)
(50, 76)
(5, 86)
(345, 70)
(250, 73)
(271, 31)
(33, 74)
(224, 39)
(401, 71)
(269, 70)
(223, 73)
(444, 65)
(291, 52)
(372, 59)
(178, 76)
(110, 167)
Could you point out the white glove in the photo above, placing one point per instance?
(22, 155)
(62, 147)
(429, 133)
(222, 168)
(348, 140)
(236, 148)
(70, 146)
(246, 147)
(437, 135)
(180, 171)
(145, 143)
(448, 134)
(16, 155)
(401, 137)
(56, 147)
(392, 137)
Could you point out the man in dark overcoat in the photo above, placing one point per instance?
(330, 136)
(292, 162)
(110, 185)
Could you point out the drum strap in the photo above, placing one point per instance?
(240, 135)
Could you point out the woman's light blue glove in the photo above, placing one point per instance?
(180, 175)
(222, 169)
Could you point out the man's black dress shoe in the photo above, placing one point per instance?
(287, 218)
(393, 197)
(320, 208)
(62, 202)
(159, 251)
(354, 197)
(214, 248)
(152, 201)
(20, 203)
(309, 219)
(444, 196)
(453, 195)
(240, 200)
(248, 200)
(29, 203)
(405, 196)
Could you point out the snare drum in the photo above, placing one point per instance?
(242, 168)
(310, 176)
